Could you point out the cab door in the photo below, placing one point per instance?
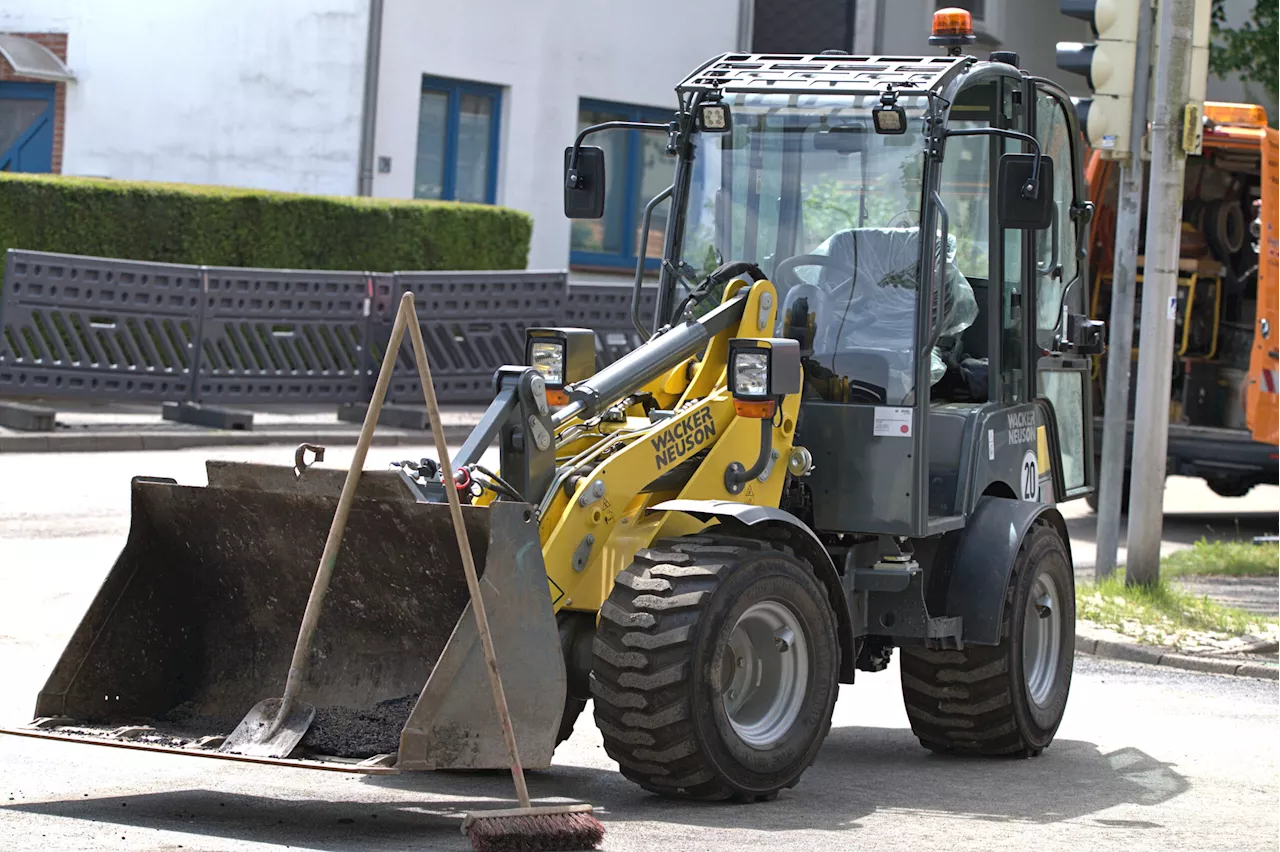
(1059, 276)
(1260, 400)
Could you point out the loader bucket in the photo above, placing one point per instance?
(197, 620)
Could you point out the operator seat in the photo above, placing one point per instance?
(870, 297)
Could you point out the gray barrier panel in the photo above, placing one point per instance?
(473, 323)
(87, 327)
(137, 331)
(606, 309)
(283, 336)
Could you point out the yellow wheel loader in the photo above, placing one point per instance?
(866, 386)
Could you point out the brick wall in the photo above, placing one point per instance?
(57, 43)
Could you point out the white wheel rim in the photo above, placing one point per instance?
(1042, 639)
(764, 674)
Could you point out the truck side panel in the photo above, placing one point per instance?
(1261, 400)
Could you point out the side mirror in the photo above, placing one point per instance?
(584, 183)
(1084, 336)
(1018, 205)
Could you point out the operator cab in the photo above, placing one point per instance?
(898, 333)
(923, 222)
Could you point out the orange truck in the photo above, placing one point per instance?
(1223, 405)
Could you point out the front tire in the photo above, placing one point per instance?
(715, 672)
(1006, 700)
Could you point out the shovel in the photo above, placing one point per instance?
(275, 726)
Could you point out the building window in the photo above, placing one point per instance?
(636, 169)
(457, 141)
(784, 26)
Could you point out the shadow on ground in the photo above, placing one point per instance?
(860, 771)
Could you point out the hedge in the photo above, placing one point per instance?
(221, 226)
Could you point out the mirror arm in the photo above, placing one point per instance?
(1032, 186)
(571, 173)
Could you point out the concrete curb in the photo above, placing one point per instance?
(1108, 649)
(97, 442)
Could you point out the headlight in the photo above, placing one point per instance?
(751, 373)
(761, 372)
(562, 356)
(547, 357)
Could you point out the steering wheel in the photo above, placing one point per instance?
(785, 274)
(903, 219)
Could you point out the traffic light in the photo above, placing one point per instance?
(1108, 64)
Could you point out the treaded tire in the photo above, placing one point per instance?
(976, 701)
(656, 678)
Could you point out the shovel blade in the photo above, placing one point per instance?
(258, 735)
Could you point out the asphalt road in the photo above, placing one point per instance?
(1147, 758)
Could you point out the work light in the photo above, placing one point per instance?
(761, 370)
(561, 356)
(547, 357)
(889, 119)
(713, 117)
(751, 373)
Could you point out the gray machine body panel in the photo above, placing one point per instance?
(861, 482)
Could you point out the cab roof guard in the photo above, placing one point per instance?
(841, 74)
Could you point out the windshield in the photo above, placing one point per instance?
(795, 170)
(829, 210)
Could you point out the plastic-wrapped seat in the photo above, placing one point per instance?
(864, 305)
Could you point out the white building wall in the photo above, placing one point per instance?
(546, 55)
(237, 92)
(1030, 28)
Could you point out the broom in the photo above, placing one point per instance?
(526, 828)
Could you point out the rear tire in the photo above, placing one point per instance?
(715, 670)
(1006, 700)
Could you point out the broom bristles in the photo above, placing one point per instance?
(535, 833)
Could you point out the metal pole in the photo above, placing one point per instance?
(1115, 418)
(369, 119)
(1159, 292)
(746, 24)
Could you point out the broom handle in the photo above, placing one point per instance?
(464, 546)
(302, 650)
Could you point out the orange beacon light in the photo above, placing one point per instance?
(952, 29)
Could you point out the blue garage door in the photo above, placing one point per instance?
(26, 127)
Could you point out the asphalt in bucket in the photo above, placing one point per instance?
(359, 732)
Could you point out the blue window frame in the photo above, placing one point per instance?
(636, 169)
(458, 139)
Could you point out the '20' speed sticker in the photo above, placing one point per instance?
(1030, 476)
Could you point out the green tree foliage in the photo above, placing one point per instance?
(220, 226)
(1248, 50)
